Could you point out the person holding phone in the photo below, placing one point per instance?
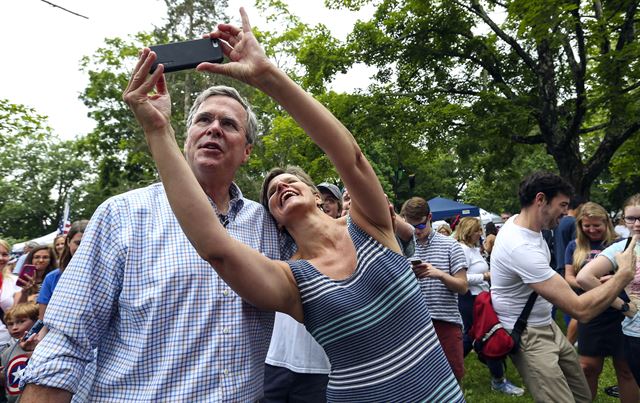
(599, 270)
(44, 259)
(348, 282)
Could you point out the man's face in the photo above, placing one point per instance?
(422, 227)
(505, 216)
(216, 139)
(330, 205)
(553, 210)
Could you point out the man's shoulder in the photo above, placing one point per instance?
(441, 239)
(145, 197)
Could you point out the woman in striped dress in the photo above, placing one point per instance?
(348, 282)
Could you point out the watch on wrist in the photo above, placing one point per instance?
(625, 307)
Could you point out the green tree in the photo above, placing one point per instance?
(562, 74)
(37, 173)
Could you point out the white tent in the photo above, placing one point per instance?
(486, 217)
(43, 240)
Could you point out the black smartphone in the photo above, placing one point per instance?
(415, 261)
(627, 244)
(187, 55)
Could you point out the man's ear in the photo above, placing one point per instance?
(319, 201)
(247, 152)
(541, 198)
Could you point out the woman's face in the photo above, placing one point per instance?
(287, 191)
(594, 228)
(632, 218)
(4, 257)
(59, 244)
(475, 237)
(75, 242)
(41, 259)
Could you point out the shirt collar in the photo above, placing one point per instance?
(236, 203)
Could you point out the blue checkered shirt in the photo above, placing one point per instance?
(156, 318)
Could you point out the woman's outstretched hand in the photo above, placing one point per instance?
(147, 95)
(248, 62)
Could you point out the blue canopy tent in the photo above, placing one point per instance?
(442, 208)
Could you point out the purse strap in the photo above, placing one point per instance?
(521, 323)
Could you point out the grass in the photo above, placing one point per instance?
(476, 383)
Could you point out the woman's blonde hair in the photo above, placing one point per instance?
(3, 272)
(466, 228)
(583, 243)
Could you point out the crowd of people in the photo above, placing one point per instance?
(171, 294)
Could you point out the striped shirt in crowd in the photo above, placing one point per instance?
(446, 254)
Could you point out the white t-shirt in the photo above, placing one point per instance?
(476, 267)
(294, 348)
(9, 288)
(520, 257)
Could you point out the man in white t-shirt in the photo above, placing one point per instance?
(520, 258)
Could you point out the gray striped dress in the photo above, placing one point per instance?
(376, 329)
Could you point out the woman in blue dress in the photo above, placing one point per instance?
(348, 282)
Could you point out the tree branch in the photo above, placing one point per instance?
(477, 9)
(594, 128)
(627, 29)
(64, 9)
(606, 149)
(536, 139)
(580, 72)
(605, 46)
(631, 87)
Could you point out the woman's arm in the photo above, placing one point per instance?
(249, 64)
(570, 276)
(589, 276)
(265, 283)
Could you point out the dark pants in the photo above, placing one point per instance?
(465, 304)
(632, 351)
(284, 385)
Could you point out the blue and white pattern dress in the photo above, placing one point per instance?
(376, 329)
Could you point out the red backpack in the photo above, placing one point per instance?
(490, 339)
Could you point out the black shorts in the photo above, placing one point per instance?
(602, 337)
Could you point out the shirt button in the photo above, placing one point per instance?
(226, 372)
(225, 330)
(225, 293)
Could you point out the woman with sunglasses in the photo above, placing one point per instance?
(599, 270)
(348, 282)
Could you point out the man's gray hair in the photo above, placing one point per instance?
(223, 90)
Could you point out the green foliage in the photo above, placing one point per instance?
(37, 172)
(555, 73)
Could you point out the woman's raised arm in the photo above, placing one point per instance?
(249, 64)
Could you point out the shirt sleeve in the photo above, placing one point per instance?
(531, 264)
(457, 258)
(568, 253)
(45, 291)
(79, 312)
(612, 250)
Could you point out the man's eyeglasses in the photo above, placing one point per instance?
(631, 220)
(420, 226)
